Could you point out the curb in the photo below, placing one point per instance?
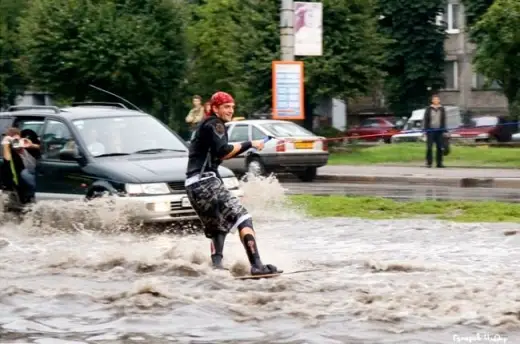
(506, 183)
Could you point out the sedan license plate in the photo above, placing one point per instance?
(304, 145)
(185, 202)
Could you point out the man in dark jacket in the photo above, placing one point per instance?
(435, 129)
(219, 211)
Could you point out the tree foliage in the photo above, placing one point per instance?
(238, 55)
(260, 45)
(497, 54)
(475, 9)
(415, 57)
(12, 81)
(352, 52)
(135, 48)
(158, 53)
(215, 49)
(235, 56)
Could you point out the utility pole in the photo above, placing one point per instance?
(466, 74)
(287, 30)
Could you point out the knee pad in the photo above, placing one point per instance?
(248, 223)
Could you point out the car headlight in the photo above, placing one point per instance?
(231, 183)
(159, 207)
(147, 189)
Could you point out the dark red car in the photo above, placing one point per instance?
(375, 129)
(485, 128)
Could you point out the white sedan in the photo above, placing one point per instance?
(293, 148)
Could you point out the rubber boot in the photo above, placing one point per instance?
(264, 270)
(217, 248)
(257, 267)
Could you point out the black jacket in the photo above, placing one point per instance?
(428, 118)
(211, 138)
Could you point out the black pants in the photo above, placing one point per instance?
(434, 137)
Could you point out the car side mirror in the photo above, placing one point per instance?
(69, 155)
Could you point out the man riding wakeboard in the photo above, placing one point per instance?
(219, 211)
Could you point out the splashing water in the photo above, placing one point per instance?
(266, 200)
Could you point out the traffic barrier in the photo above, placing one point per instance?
(346, 138)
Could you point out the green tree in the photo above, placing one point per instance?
(352, 51)
(214, 36)
(12, 81)
(475, 9)
(415, 57)
(349, 66)
(237, 56)
(497, 55)
(260, 45)
(134, 48)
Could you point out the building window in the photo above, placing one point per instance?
(480, 82)
(450, 18)
(451, 75)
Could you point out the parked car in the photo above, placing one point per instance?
(90, 150)
(486, 129)
(294, 149)
(379, 129)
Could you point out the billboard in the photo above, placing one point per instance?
(288, 90)
(308, 28)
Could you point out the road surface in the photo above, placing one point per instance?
(403, 192)
(419, 171)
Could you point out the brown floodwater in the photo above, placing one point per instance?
(72, 274)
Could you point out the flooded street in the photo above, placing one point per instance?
(407, 281)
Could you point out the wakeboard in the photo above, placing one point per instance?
(255, 277)
(247, 277)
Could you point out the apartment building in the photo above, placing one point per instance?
(464, 87)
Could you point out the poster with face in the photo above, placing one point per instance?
(308, 18)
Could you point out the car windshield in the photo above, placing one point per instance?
(127, 135)
(488, 121)
(286, 129)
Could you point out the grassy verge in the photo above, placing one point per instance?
(381, 208)
(414, 153)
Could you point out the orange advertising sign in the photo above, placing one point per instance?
(288, 90)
